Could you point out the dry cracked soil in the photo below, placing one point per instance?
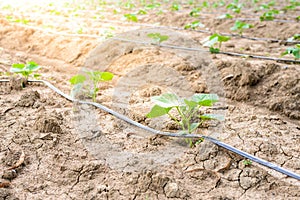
(51, 148)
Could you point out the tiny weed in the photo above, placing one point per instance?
(187, 110)
(240, 26)
(295, 51)
(213, 40)
(95, 76)
(25, 69)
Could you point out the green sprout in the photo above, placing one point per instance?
(295, 51)
(194, 25)
(95, 76)
(225, 16)
(186, 110)
(25, 69)
(195, 12)
(131, 17)
(157, 37)
(213, 40)
(235, 7)
(152, 6)
(293, 5)
(269, 15)
(295, 37)
(247, 162)
(175, 6)
(240, 26)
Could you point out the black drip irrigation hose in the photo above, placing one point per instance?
(202, 50)
(179, 135)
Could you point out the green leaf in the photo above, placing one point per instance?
(211, 41)
(167, 100)
(16, 67)
(77, 79)
(158, 111)
(194, 25)
(32, 66)
(205, 99)
(225, 16)
(106, 76)
(212, 117)
(191, 104)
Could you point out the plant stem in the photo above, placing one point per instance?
(174, 118)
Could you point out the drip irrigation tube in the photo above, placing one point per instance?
(201, 31)
(202, 50)
(157, 132)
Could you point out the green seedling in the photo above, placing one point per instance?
(152, 6)
(131, 17)
(25, 69)
(186, 110)
(95, 76)
(235, 7)
(22, 21)
(213, 40)
(294, 38)
(240, 26)
(269, 15)
(157, 37)
(295, 51)
(205, 4)
(129, 5)
(142, 12)
(195, 12)
(225, 16)
(194, 25)
(293, 5)
(175, 7)
(247, 162)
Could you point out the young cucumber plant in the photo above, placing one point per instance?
(95, 76)
(240, 26)
(295, 51)
(213, 40)
(194, 25)
(157, 37)
(235, 7)
(186, 110)
(269, 15)
(25, 69)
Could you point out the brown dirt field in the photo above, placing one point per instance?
(71, 151)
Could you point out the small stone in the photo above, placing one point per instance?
(171, 190)
(9, 174)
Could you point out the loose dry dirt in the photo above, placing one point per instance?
(76, 151)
